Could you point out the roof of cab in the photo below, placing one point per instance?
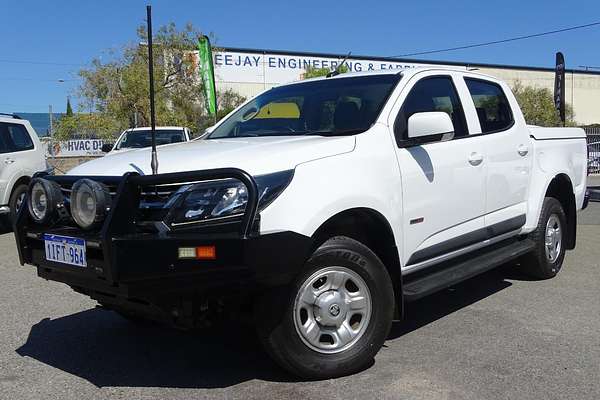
(403, 71)
(11, 118)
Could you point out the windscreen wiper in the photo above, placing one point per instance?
(341, 132)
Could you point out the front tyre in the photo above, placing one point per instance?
(16, 201)
(335, 318)
(545, 261)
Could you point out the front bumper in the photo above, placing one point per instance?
(125, 264)
(146, 266)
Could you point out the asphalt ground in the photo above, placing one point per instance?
(496, 336)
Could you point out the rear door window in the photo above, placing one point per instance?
(13, 138)
(491, 104)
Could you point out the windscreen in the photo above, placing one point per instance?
(328, 107)
(143, 138)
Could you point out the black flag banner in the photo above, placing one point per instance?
(559, 86)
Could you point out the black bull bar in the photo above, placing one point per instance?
(120, 220)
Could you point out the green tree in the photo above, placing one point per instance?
(115, 88)
(69, 112)
(312, 72)
(537, 105)
(84, 125)
(227, 101)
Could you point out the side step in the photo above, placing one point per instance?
(594, 193)
(464, 269)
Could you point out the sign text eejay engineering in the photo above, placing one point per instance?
(270, 68)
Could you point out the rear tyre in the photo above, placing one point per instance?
(335, 317)
(545, 261)
(16, 201)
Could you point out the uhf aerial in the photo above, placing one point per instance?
(338, 69)
(154, 162)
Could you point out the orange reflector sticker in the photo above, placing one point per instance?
(206, 253)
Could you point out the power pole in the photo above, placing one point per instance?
(51, 120)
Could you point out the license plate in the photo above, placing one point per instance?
(65, 250)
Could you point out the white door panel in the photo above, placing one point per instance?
(443, 182)
(506, 141)
(508, 170)
(9, 172)
(442, 192)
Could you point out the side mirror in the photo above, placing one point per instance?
(431, 126)
(106, 147)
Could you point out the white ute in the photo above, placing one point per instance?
(21, 156)
(372, 189)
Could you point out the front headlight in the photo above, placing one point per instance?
(224, 199)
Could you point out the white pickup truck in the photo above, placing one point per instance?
(322, 206)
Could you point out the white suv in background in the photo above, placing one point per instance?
(21, 156)
(139, 138)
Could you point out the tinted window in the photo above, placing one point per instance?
(14, 137)
(432, 94)
(340, 106)
(491, 104)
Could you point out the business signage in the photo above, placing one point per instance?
(207, 74)
(75, 148)
(268, 69)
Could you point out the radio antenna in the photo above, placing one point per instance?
(154, 162)
(337, 69)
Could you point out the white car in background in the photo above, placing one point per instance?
(21, 156)
(138, 138)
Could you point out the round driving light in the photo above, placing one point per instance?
(90, 201)
(44, 197)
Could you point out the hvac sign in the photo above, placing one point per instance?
(76, 148)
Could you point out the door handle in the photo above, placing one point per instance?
(475, 158)
(522, 150)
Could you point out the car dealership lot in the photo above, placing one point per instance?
(495, 336)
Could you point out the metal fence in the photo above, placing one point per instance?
(593, 142)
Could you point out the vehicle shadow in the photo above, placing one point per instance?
(106, 350)
(441, 304)
(5, 225)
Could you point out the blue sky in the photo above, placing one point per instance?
(71, 33)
